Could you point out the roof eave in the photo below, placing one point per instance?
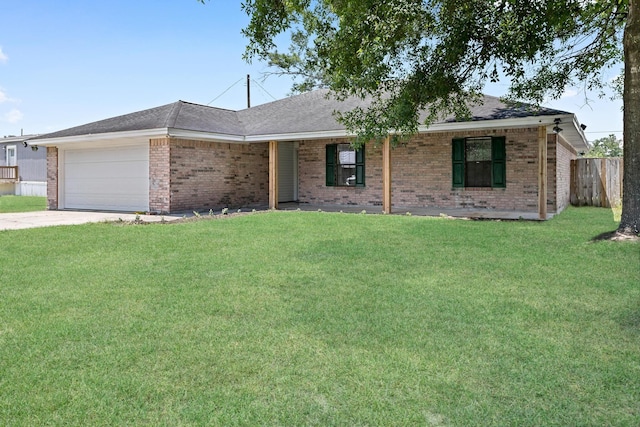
(205, 136)
(573, 133)
(339, 133)
(95, 137)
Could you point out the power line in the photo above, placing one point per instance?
(603, 131)
(264, 90)
(226, 90)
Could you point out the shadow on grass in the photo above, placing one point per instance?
(616, 236)
(630, 319)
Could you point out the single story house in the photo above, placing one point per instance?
(23, 169)
(180, 157)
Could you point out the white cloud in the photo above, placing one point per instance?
(3, 56)
(5, 98)
(569, 93)
(13, 116)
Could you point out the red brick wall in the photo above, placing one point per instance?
(159, 175)
(52, 178)
(421, 174)
(212, 175)
(552, 169)
(564, 154)
(312, 179)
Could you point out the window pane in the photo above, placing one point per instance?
(478, 149)
(478, 174)
(346, 155)
(346, 170)
(478, 162)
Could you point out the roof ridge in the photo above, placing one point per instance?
(172, 117)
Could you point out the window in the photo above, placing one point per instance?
(479, 162)
(345, 166)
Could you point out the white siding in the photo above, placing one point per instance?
(31, 188)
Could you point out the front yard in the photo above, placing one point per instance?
(309, 318)
(22, 204)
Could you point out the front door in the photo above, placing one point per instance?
(287, 172)
(12, 155)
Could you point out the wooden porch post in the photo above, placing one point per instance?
(273, 174)
(386, 176)
(542, 172)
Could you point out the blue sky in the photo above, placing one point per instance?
(66, 63)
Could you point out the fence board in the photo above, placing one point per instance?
(596, 182)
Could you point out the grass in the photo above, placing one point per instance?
(22, 204)
(308, 318)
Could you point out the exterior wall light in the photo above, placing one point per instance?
(556, 128)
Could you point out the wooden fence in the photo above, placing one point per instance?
(596, 182)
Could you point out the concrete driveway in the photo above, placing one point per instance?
(16, 221)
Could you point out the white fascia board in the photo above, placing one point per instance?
(571, 131)
(204, 136)
(532, 121)
(578, 128)
(568, 122)
(296, 136)
(519, 122)
(128, 136)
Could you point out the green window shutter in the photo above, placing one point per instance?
(498, 162)
(331, 165)
(457, 157)
(360, 167)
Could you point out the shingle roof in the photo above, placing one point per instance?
(308, 112)
(493, 108)
(313, 112)
(178, 115)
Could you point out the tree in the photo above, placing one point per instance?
(605, 147)
(437, 55)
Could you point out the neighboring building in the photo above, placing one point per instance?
(23, 168)
(505, 162)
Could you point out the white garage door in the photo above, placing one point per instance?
(115, 178)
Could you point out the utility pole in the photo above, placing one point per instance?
(248, 91)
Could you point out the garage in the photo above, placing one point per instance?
(113, 178)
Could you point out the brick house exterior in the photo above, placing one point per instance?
(422, 171)
(208, 158)
(187, 174)
(52, 178)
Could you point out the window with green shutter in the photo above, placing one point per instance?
(478, 162)
(331, 165)
(344, 166)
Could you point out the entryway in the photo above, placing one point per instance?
(287, 172)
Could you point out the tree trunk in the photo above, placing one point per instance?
(630, 221)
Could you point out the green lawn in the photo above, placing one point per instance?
(309, 318)
(22, 204)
